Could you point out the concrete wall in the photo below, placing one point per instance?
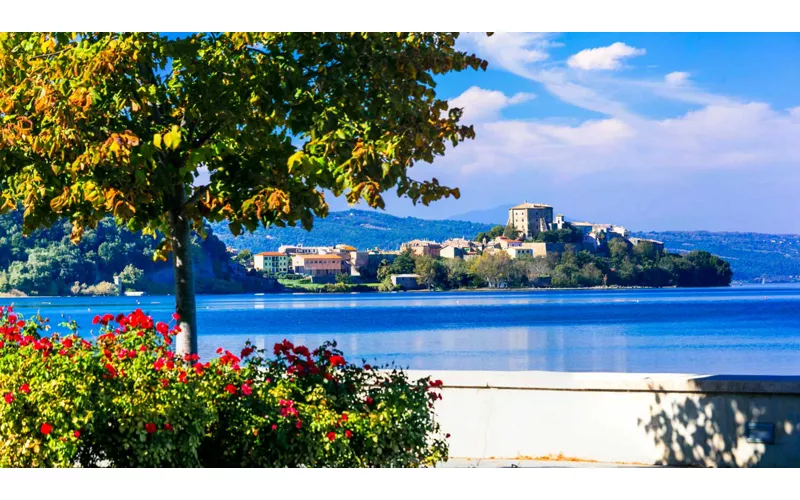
(618, 417)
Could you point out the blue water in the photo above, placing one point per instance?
(742, 330)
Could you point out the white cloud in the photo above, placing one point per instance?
(481, 105)
(752, 135)
(677, 78)
(603, 57)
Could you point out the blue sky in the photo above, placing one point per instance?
(655, 131)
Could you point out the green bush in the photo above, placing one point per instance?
(127, 401)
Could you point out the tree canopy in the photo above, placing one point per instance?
(126, 123)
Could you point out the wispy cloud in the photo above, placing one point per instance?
(604, 57)
(481, 105)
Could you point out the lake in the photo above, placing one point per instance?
(737, 330)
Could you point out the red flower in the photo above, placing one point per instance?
(158, 364)
(337, 360)
(120, 317)
(112, 372)
(164, 383)
(8, 397)
(142, 347)
(301, 350)
(67, 343)
(348, 434)
(331, 436)
(25, 388)
(447, 435)
(299, 424)
(246, 390)
(219, 350)
(170, 364)
(344, 417)
(176, 316)
(274, 426)
(168, 427)
(367, 367)
(247, 351)
(150, 428)
(162, 328)
(77, 434)
(96, 320)
(46, 428)
(182, 377)
(369, 400)
(231, 388)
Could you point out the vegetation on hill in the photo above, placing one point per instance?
(360, 228)
(47, 263)
(623, 265)
(753, 256)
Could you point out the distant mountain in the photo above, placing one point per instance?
(359, 228)
(493, 216)
(753, 256)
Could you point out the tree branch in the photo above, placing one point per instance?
(196, 195)
(53, 54)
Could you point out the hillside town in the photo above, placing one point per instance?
(532, 231)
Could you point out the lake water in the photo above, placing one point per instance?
(741, 330)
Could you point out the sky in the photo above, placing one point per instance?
(655, 131)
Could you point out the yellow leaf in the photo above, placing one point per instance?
(157, 141)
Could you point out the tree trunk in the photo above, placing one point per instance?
(186, 342)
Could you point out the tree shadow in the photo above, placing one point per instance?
(709, 424)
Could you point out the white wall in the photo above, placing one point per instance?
(618, 417)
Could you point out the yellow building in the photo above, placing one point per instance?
(271, 262)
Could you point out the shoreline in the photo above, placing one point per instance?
(5, 295)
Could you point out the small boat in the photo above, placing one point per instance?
(133, 294)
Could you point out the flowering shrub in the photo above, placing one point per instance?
(126, 400)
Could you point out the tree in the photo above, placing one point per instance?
(510, 232)
(245, 258)
(403, 264)
(432, 272)
(131, 275)
(123, 123)
(344, 278)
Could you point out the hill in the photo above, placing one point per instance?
(753, 256)
(360, 228)
(493, 216)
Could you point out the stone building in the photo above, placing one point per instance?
(422, 247)
(530, 219)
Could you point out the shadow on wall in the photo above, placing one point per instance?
(714, 428)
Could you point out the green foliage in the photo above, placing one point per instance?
(127, 400)
(491, 234)
(344, 279)
(432, 272)
(120, 123)
(510, 232)
(755, 256)
(47, 263)
(131, 275)
(569, 234)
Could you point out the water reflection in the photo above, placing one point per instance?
(748, 330)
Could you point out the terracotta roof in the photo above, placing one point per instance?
(318, 256)
(272, 254)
